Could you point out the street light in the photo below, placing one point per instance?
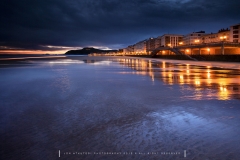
(197, 40)
(208, 51)
(223, 38)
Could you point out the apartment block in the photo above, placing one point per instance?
(222, 35)
(140, 47)
(171, 40)
(235, 33)
(192, 38)
(150, 44)
(158, 42)
(129, 49)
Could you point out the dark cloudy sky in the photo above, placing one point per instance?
(48, 25)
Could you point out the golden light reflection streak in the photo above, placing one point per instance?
(164, 77)
(209, 80)
(149, 66)
(197, 83)
(187, 69)
(181, 79)
(170, 78)
(163, 65)
(145, 65)
(151, 74)
(188, 73)
(136, 64)
(223, 93)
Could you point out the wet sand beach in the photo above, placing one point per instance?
(79, 107)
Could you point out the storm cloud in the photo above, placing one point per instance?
(37, 24)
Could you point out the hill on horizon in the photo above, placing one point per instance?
(88, 50)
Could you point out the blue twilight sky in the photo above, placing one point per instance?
(59, 25)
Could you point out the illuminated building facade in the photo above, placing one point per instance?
(140, 47)
(235, 33)
(150, 44)
(222, 35)
(171, 40)
(192, 38)
(129, 50)
(191, 44)
(158, 42)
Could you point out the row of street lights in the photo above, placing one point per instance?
(208, 49)
(222, 38)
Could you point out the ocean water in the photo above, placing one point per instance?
(118, 108)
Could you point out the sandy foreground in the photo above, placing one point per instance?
(112, 108)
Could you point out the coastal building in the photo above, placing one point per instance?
(158, 42)
(150, 44)
(140, 47)
(209, 44)
(153, 43)
(235, 33)
(192, 38)
(171, 40)
(222, 35)
(128, 50)
(125, 50)
(120, 50)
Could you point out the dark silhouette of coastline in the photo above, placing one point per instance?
(88, 50)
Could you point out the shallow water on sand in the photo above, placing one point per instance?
(118, 108)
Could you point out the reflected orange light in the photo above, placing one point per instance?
(164, 65)
(197, 82)
(188, 69)
(150, 64)
(223, 94)
(223, 89)
(181, 79)
(208, 73)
